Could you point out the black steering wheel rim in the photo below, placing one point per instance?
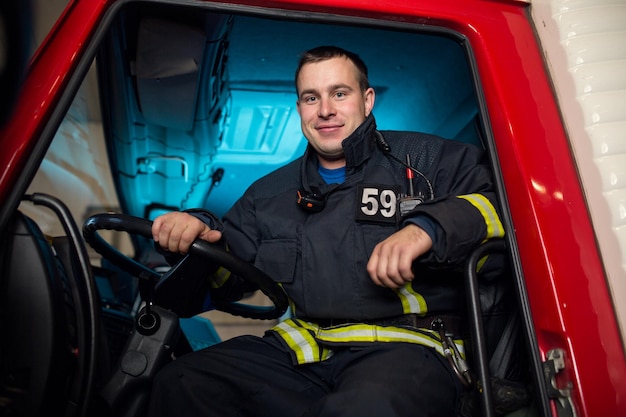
(199, 249)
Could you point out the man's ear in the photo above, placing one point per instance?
(369, 97)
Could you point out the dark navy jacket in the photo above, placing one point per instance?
(320, 257)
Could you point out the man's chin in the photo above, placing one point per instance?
(332, 160)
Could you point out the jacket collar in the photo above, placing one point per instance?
(359, 146)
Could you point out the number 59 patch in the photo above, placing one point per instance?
(377, 203)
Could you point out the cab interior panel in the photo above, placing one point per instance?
(193, 125)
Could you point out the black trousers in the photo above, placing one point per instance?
(254, 377)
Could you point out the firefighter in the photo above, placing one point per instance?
(366, 233)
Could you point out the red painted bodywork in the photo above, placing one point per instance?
(565, 281)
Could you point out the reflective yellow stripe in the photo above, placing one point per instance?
(356, 333)
(219, 277)
(292, 306)
(304, 338)
(300, 340)
(486, 209)
(481, 262)
(297, 341)
(412, 301)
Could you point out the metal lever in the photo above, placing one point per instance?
(451, 352)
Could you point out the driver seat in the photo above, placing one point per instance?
(55, 358)
(44, 364)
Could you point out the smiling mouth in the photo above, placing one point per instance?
(328, 128)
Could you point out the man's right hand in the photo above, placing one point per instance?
(177, 230)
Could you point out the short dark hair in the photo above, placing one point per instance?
(323, 53)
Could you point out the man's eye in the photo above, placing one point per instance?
(340, 94)
(311, 99)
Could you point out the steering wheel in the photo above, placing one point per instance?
(183, 288)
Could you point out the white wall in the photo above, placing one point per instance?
(584, 42)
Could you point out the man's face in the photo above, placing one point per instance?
(331, 106)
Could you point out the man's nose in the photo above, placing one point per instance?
(326, 108)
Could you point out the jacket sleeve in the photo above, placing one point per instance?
(464, 209)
